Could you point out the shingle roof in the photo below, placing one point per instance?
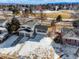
(42, 27)
(71, 35)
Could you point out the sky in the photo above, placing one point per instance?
(37, 1)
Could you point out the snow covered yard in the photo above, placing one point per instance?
(29, 49)
(44, 48)
(41, 50)
(65, 51)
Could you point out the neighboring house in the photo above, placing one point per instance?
(28, 28)
(65, 31)
(3, 33)
(60, 25)
(26, 32)
(31, 24)
(71, 37)
(3, 22)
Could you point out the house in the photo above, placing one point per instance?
(26, 32)
(3, 33)
(63, 24)
(31, 24)
(70, 37)
(28, 28)
(3, 22)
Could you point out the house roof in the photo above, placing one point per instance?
(41, 27)
(65, 30)
(71, 35)
(31, 24)
(63, 22)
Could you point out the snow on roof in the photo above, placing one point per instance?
(3, 29)
(3, 22)
(64, 23)
(2, 35)
(65, 30)
(71, 35)
(30, 23)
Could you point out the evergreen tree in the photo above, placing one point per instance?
(59, 18)
(13, 26)
(58, 39)
(76, 23)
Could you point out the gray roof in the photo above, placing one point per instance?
(31, 23)
(65, 30)
(42, 27)
(71, 34)
(1, 21)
